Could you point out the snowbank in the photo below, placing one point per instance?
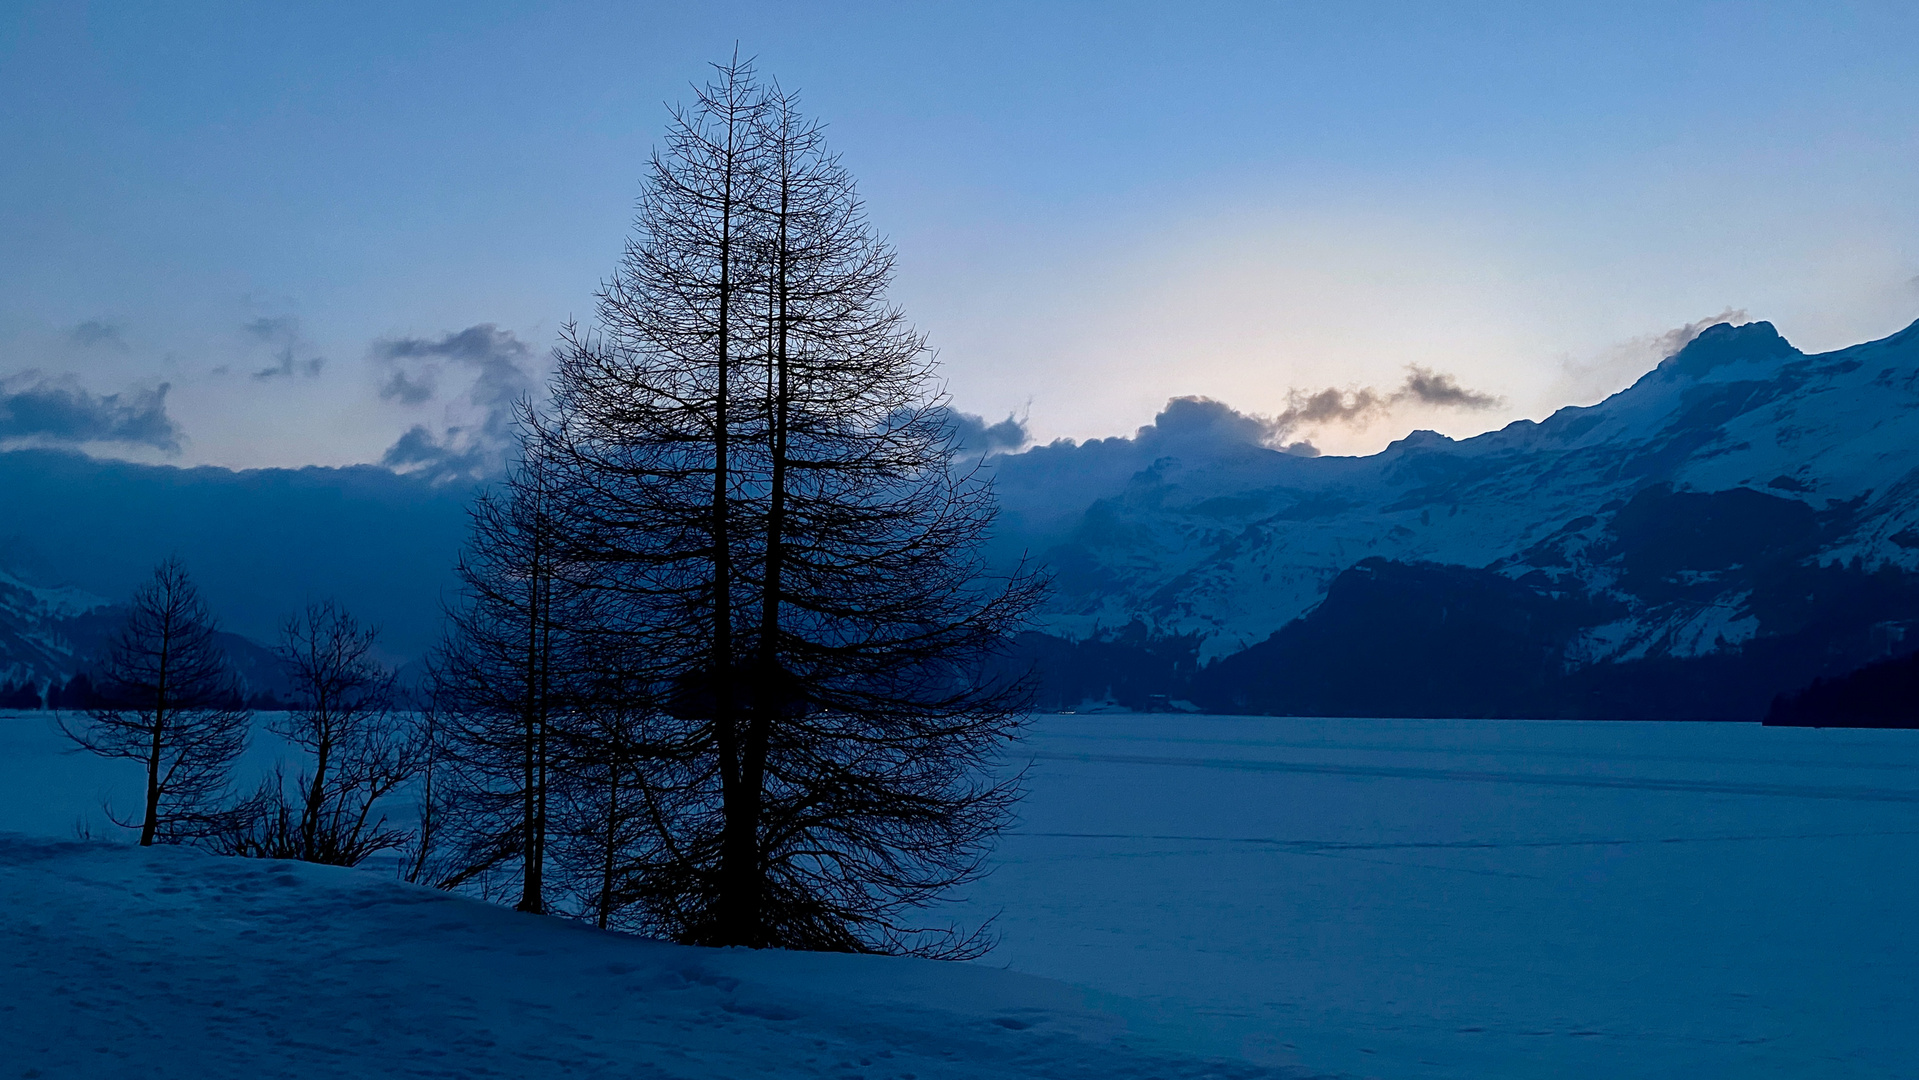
(125, 962)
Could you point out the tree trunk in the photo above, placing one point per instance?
(532, 823)
(150, 828)
(737, 822)
(322, 761)
(771, 683)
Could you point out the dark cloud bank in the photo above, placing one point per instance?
(259, 542)
(1201, 424)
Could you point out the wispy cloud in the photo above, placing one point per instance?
(36, 408)
(1202, 426)
(1618, 366)
(413, 372)
(1670, 342)
(281, 333)
(1430, 387)
(1309, 409)
(98, 333)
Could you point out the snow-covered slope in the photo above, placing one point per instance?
(38, 628)
(1408, 900)
(50, 634)
(158, 963)
(1230, 545)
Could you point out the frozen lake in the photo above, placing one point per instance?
(1407, 898)
(1419, 898)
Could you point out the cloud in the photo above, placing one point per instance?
(47, 410)
(403, 386)
(1202, 424)
(412, 372)
(98, 332)
(1618, 366)
(1049, 486)
(442, 458)
(1670, 342)
(976, 436)
(1358, 408)
(274, 328)
(1199, 429)
(1200, 421)
(284, 365)
(1330, 406)
(282, 334)
(1430, 387)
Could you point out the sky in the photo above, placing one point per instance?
(277, 235)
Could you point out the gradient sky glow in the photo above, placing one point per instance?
(1097, 206)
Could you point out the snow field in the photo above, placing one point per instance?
(117, 961)
(1197, 896)
(124, 962)
(1418, 898)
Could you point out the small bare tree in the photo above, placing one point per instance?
(359, 748)
(430, 797)
(172, 703)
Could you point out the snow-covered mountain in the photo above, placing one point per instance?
(1740, 493)
(42, 628)
(1741, 520)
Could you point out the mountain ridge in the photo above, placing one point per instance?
(1226, 552)
(1741, 500)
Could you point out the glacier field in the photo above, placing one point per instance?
(1182, 896)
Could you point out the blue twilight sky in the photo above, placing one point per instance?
(273, 209)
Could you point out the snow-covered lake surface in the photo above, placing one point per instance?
(1390, 898)
(1420, 898)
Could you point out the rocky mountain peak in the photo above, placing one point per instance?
(1724, 343)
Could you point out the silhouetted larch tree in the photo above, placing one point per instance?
(168, 699)
(755, 491)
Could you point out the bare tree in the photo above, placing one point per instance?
(359, 749)
(872, 713)
(499, 685)
(757, 499)
(172, 703)
(603, 821)
(421, 861)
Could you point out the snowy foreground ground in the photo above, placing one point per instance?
(1199, 896)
